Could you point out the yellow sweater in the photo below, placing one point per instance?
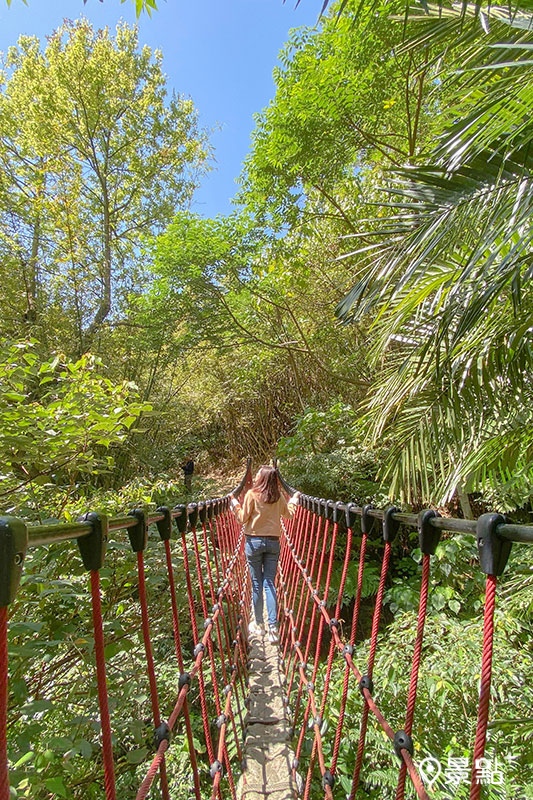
(260, 518)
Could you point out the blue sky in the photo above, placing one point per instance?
(220, 52)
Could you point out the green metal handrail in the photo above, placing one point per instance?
(510, 531)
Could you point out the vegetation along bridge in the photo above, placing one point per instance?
(209, 545)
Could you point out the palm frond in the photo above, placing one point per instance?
(446, 289)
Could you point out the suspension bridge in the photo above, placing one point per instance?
(261, 704)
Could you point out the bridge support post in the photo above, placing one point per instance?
(13, 545)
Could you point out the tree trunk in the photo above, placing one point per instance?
(464, 500)
(105, 303)
(31, 275)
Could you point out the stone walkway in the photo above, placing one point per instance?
(267, 751)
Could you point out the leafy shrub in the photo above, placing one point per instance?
(59, 420)
(324, 457)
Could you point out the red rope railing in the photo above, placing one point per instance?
(236, 562)
(307, 547)
(4, 775)
(211, 546)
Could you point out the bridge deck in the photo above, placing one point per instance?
(268, 754)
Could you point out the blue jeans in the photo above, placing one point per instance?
(262, 554)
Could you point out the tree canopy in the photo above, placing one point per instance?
(103, 143)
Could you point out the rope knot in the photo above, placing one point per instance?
(402, 741)
(215, 768)
(184, 680)
(161, 734)
(347, 650)
(199, 648)
(327, 779)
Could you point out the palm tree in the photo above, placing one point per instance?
(447, 289)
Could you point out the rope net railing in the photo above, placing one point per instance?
(308, 619)
(210, 544)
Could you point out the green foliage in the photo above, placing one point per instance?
(54, 738)
(446, 287)
(453, 588)
(219, 338)
(345, 99)
(446, 702)
(104, 159)
(448, 682)
(324, 457)
(59, 423)
(140, 5)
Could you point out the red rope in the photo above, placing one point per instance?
(486, 676)
(309, 639)
(307, 789)
(346, 679)
(107, 747)
(371, 659)
(175, 617)
(307, 560)
(192, 611)
(337, 613)
(223, 754)
(413, 683)
(156, 764)
(291, 572)
(236, 559)
(370, 705)
(317, 743)
(222, 751)
(308, 644)
(214, 549)
(4, 774)
(303, 550)
(204, 609)
(219, 639)
(179, 656)
(304, 612)
(225, 535)
(150, 669)
(150, 663)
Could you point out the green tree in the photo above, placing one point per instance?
(448, 295)
(60, 421)
(347, 101)
(101, 158)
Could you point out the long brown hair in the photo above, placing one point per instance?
(267, 485)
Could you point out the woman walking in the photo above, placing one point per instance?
(264, 505)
